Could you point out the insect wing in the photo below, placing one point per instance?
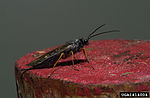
(46, 57)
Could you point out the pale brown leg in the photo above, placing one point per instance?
(56, 64)
(73, 60)
(86, 56)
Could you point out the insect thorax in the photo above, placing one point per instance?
(76, 45)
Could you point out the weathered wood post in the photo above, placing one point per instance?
(119, 66)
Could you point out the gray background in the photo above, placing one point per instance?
(29, 25)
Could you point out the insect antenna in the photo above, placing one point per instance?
(95, 30)
(103, 33)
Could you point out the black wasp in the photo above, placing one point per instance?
(66, 50)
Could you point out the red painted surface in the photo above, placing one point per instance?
(115, 62)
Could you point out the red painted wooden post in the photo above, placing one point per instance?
(120, 65)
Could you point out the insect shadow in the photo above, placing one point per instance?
(68, 63)
(64, 63)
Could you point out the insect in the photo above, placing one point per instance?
(64, 51)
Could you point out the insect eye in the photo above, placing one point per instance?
(86, 42)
